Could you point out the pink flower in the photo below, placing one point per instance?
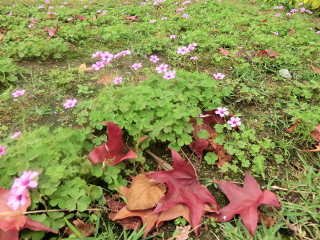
(162, 68)
(300, 3)
(47, 2)
(16, 135)
(186, 16)
(106, 56)
(194, 58)
(234, 121)
(18, 93)
(277, 15)
(218, 76)
(41, 7)
(276, 33)
(183, 50)
(14, 201)
(100, 64)
(2, 150)
(70, 103)
(136, 66)
(164, 18)
(222, 111)
(192, 46)
(21, 184)
(288, 14)
(96, 54)
(318, 32)
(152, 21)
(117, 80)
(69, 19)
(173, 36)
(169, 75)
(154, 58)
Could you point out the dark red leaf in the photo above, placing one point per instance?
(245, 201)
(80, 17)
(271, 53)
(184, 187)
(113, 151)
(265, 20)
(316, 134)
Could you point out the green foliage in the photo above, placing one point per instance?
(156, 107)
(8, 70)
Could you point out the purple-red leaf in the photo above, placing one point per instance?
(52, 32)
(245, 201)
(113, 151)
(81, 17)
(184, 187)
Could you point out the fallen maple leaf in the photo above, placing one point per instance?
(184, 187)
(265, 20)
(245, 201)
(132, 18)
(52, 32)
(113, 151)
(11, 222)
(143, 193)
(224, 51)
(271, 54)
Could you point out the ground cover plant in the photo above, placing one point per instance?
(175, 119)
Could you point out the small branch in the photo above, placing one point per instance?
(59, 210)
(163, 164)
(288, 224)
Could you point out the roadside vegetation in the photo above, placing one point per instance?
(93, 94)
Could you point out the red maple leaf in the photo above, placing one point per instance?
(316, 134)
(113, 150)
(184, 187)
(245, 201)
(224, 51)
(11, 222)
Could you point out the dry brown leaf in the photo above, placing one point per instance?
(313, 150)
(85, 229)
(105, 80)
(83, 68)
(222, 154)
(317, 70)
(1, 37)
(183, 232)
(143, 193)
(292, 31)
(268, 220)
(224, 51)
(295, 124)
(132, 18)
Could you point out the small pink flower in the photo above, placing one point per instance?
(186, 16)
(288, 14)
(218, 76)
(192, 46)
(154, 58)
(14, 201)
(152, 21)
(85, 6)
(318, 32)
(136, 66)
(222, 111)
(96, 54)
(169, 75)
(194, 58)
(3, 150)
(16, 135)
(47, 2)
(277, 15)
(234, 121)
(162, 68)
(50, 7)
(18, 93)
(41, 7)
(311, 28)
(183, 50)
(10, 14)
(276, 33)
(100, 64)
(70, 103)
(173, 36)
(300, 3)
(117, 80)
(164, 18)
(70, 19)
(21, 184)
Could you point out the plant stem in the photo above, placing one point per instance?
(59, 210)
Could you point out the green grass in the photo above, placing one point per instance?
(253, 89)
